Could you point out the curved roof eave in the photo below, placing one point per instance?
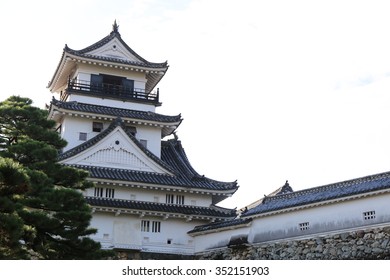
(113, 112)
(188, 210)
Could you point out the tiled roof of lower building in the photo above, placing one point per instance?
(221, 225)
(212, 211)
(320, 194)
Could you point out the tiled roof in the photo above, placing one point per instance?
(155, 178)
(116, 112)
(339, 190)
(173, 159)
(162, 207)
(105, 40)
(221, 225)
(70, 57)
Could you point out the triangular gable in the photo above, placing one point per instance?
(116, 150)
(115, 49)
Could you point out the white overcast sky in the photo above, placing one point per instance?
(269, 90)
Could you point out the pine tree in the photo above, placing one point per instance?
(14, 182)
(54, 213)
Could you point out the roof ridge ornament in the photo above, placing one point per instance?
(115, 27)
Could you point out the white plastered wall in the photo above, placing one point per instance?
(322, 219)
(124, 231)
(72, 126)
(158, 196)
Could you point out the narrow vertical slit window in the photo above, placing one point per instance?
(110, 193)
(145, 226)
(98, 192)
(156, 226)
(169, 198)
(180, 199)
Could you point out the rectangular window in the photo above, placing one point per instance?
(156, 199)
(97, 126)
(83, 136)
(133, 197)
(156, 226)
(145, 226)
(304, 226)
(369, 215)
(98, 192)
(110, 193)
(131, 129)
(169, 198)
(144, 142)
(180, 199)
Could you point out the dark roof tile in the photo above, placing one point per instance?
(161, 207)
(220, 225)
(323, 193)
(116, 112)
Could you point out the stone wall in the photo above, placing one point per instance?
(360, 244)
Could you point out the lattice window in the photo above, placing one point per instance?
(180, 199)
(169, 198)
(110, 193)
(98, 192)
(156, 226)
(304, 226)
(145, 226)
(369, 215)
(150, 226)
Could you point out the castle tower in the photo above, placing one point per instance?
(147, 196)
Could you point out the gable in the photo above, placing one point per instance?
(116, 150)
(114, 49)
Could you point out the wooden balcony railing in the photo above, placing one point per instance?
(110, 91)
